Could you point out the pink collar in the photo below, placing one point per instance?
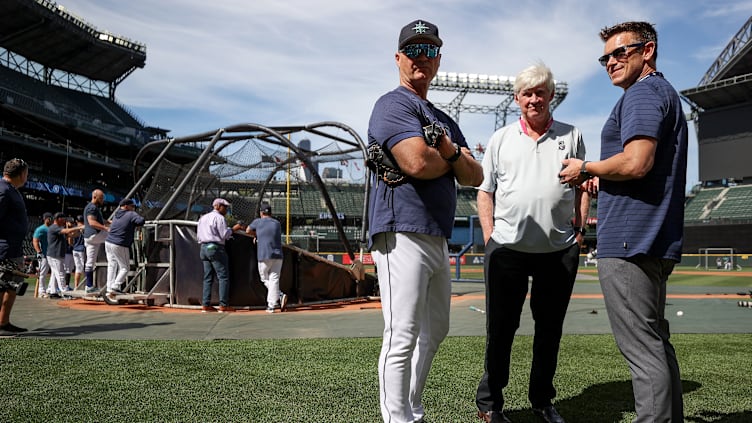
(523, 125)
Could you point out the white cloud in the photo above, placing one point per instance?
(211, 64)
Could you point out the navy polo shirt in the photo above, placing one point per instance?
(645, 216)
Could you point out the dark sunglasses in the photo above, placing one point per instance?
(618, 53)
(414, 50)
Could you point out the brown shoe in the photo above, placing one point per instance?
(493, 417)
(226, 309)
(208, 309)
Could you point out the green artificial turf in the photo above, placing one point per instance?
(334, 380)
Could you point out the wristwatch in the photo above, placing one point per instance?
(584, 171)
(580, 229)
(457, 153)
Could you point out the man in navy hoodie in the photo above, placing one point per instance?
(117, 245)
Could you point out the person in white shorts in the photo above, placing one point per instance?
(39, 241)
(57, 244)
(95, 232)
(267, 233)
(79, 254)
(118, 243)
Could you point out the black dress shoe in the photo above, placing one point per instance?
(549, 414)
(9, 327)
(493, 417)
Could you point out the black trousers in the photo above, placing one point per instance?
(506, 273)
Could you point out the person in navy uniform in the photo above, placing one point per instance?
(409, 223)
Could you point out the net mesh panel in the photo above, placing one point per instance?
(167, 177)
(239, 170)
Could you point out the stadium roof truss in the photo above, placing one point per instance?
(46, 33)
(247, 154)
(466, 83)
(52, 76)
(729, 79)
(732, 60)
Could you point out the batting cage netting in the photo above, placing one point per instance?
(246, 164)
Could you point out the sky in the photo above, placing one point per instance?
(212, 64)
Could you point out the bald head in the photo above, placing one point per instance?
(97, 197)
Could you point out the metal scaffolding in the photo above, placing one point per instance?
(466, 83)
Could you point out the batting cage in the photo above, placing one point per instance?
(246, 164)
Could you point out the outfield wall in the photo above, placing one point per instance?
(693, 260)
(736, 236)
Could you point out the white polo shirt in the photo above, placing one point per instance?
(533, 211)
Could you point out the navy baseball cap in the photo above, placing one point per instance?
(46, 216)
(265, 208)
(420, 29)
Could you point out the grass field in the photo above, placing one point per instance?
(683, 275)
(334, 380)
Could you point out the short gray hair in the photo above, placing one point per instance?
(532, 76)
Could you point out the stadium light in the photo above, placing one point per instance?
(472, 82)
(464, 83)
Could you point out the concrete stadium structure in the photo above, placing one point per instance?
(719, 210)
(59, 111)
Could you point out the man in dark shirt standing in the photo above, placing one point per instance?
(267, 232)
(57, 245)
(410, 221)
(118, 243)
(641, 180)
(95, 232)
(12, 232)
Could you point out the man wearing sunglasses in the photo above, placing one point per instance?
(641, 179)
(410, 222)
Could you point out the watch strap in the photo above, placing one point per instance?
(457, 153)
(583, 170)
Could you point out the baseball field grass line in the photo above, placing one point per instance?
(479, 297)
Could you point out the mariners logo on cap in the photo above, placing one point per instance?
(420, 28)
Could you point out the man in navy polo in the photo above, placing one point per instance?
(641, 180)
